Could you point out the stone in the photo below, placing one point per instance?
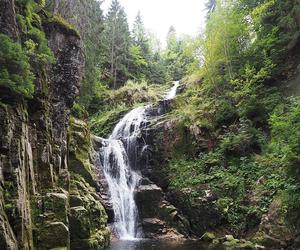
(269, 241)
(153, 226)
(97, 142)
(80, 225)
(208, 237)
(8, 23)
(53, 235)
(231, 243)
(38, 150)
(148, 198)
(247, 245)
(56, 203)
(229, 237)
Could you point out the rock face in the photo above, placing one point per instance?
(8, 23)
(159, 218)
(47, 188)
(87, 217)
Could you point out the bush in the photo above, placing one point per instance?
(78, 111)
(37, 47)
(286, 145)
(14, 67)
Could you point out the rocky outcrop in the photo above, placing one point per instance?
(201, 211)
(8, 23)
(274, 231)
(159, 218)
(45, 194)
(87, 217)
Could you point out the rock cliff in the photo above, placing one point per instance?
(48, 196)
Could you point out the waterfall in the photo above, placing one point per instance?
(172, 92)
(119, 158)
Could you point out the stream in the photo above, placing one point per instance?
(159, 245)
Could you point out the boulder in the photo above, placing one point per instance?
(208, 237)
(53, 235)
(148, 198)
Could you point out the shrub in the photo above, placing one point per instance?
(14, 67)
(78, 111)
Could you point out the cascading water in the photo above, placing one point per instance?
(172, 92)
(118, 157)
(119, 160)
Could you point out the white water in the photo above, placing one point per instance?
(121, 178)
(172, 92)
(119, 161)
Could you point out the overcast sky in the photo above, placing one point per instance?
(187, 16)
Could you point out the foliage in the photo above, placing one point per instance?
(79, 112)
(32, 36)
(61, 22)
(285, 144)
(236, 98)
(114, 103)
(179, 57)
(103, 123)
(116, 40)
(14, 67)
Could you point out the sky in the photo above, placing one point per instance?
(187, 16)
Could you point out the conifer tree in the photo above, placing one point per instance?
(116, 40)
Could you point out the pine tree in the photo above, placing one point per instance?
(139, 50)
(139, 35)
(116, 39)
(210, 7)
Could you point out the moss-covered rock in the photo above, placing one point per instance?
(209, 237)
(53, 235)
(87, 216)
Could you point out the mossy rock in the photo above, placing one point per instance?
(53, 235)
(80, 225)
(231, 243)
(208, 237)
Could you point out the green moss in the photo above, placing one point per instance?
(103, 123)
(60, 22)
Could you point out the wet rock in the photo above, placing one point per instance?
(273, 230)
(97, 142)
(148, 198)
(53, 235)
(209, 237)
(153, 227)
(79, 223)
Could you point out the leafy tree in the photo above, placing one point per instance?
(179, 56)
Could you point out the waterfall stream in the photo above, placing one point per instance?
(119, 157)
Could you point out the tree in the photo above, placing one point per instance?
(116, 40)
(140, 52)
(179, 55)
(210, 6)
